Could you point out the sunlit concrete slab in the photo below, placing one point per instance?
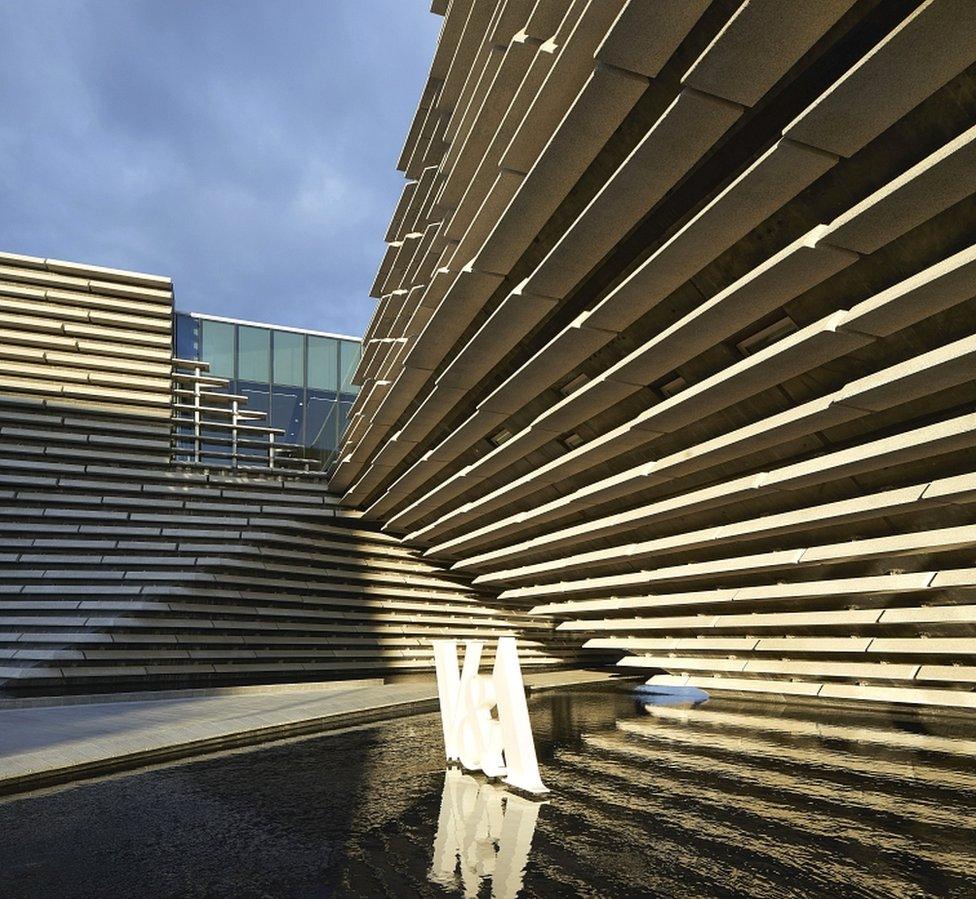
(777, 176)
(945, 177)
(603, 102)
(758, 45)
(932, 290)
(686, 129)
(931, 45)
(584, 26)
(627, 46)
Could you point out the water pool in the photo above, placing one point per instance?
(720, 799)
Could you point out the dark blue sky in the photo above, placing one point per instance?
(245, 147)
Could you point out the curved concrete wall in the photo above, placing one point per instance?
(675, 337)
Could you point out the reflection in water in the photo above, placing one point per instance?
(761, 799)
(725, 798)
(487, 832)
(728, 798)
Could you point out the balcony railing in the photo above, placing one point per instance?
(212, 426)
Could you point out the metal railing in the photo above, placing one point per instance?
(211, 426)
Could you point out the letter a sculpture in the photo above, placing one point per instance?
(473, 739)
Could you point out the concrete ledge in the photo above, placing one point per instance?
(37, 702)
(68, 773)
(43, 744)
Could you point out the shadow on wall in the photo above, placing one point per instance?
(122, 569)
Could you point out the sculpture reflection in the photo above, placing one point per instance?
(485, 830)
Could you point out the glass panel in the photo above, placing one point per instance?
(258, 397)
(323, 364)
(344, 410)
(253, 353)
(288, 412)
(348, 360)
(218, 348)
(258, 400)
(320, 429)
(186, 337)
(289, 358)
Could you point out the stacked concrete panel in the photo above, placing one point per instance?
(85, 336)
(133, 553)
(676, 331)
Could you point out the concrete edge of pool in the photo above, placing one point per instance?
(45, 745)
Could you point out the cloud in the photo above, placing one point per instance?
(243, 147)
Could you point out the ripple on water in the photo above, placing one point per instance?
(724, 798)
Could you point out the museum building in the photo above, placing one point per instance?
(671, 368)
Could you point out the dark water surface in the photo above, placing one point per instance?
(723, 799)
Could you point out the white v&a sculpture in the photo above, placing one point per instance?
(501, 748)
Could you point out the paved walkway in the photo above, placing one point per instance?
(46, 744)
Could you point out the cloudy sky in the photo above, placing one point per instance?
(245, 147)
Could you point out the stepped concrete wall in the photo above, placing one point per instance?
(122, 566)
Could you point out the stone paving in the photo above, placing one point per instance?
(45, 743)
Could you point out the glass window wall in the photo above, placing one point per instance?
(348, 360)
(303, 380)
(217, 347)
(185, 332)
(288, 412)
(253, 353)
(320, 421)
(323, 363)
(344, 410)
(289, 358)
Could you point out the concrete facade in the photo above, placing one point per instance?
(674, 337)
(154, 531)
